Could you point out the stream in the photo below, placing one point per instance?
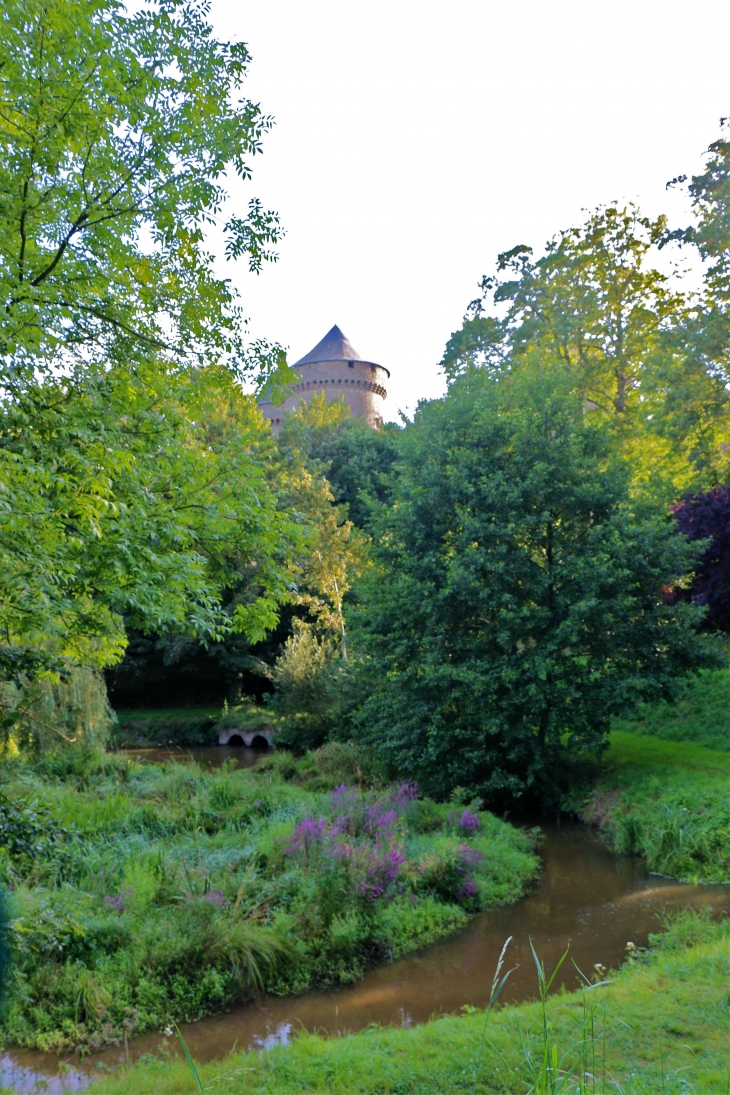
(586, 899)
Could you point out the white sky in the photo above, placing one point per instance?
(414, 140)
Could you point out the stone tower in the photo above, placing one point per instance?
(335, 367)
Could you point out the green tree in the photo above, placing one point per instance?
(116, 131)
(595, 304)
(117, 338)
(355, 459)
(188, 531)
(703, 340)
(516, 602)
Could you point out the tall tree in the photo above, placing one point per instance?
(355, 459)
(516, 602)
(116, 131)
(595, 303)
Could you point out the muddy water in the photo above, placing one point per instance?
(213, 756)
(587, 900)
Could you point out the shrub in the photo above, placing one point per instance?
(707, 517)
(306, 699)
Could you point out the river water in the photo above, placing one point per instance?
(587, 900)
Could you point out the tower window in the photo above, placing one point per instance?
(351, 364)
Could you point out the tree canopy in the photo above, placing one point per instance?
(516, 600)
(127, 488)
(640, 348)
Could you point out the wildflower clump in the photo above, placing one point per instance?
(173, 892)
(372, 840)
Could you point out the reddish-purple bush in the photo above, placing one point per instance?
(707, 517)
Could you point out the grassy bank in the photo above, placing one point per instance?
(659, 1027)
(701, 714)
(663, 788)
(145, 893)
(667, 801)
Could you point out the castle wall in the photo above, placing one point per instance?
(361, 384)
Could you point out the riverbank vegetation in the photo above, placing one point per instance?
(667, 801)
(143, 894)
(470, 602)
(657, 1027)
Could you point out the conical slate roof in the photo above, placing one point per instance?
(334, 347)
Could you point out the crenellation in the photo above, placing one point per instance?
(332, 363)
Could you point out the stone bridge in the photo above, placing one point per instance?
(260, 738)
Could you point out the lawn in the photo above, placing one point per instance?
(700, 715)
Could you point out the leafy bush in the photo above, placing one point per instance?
(707, 517)
(307, 698)
(28, 833)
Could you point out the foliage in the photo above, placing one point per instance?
(4, 947)
(658, 1029)
(668, 802)
(307, 698)
(709, 336)
(169, 892)
(117, 127)
(707, 517)
(356, 460)
(127, 487)
(72, 707)
(516, 603)
(244, 716)
(638, 350)
(698, 715)
(335, 554)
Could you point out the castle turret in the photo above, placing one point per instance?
(335, 367)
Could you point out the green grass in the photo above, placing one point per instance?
(142, 894)
(667, 801)
(660, 1027)
(700, 715)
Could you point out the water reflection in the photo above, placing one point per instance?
(586, 899)
(208, 756)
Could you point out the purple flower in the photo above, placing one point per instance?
(119, 901)
(307, 832)
(470, 857)
(403, 793)
(467, 821)
(381, 872)
(215, 897)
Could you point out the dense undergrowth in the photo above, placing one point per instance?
(659, 1027)
(142, 894)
